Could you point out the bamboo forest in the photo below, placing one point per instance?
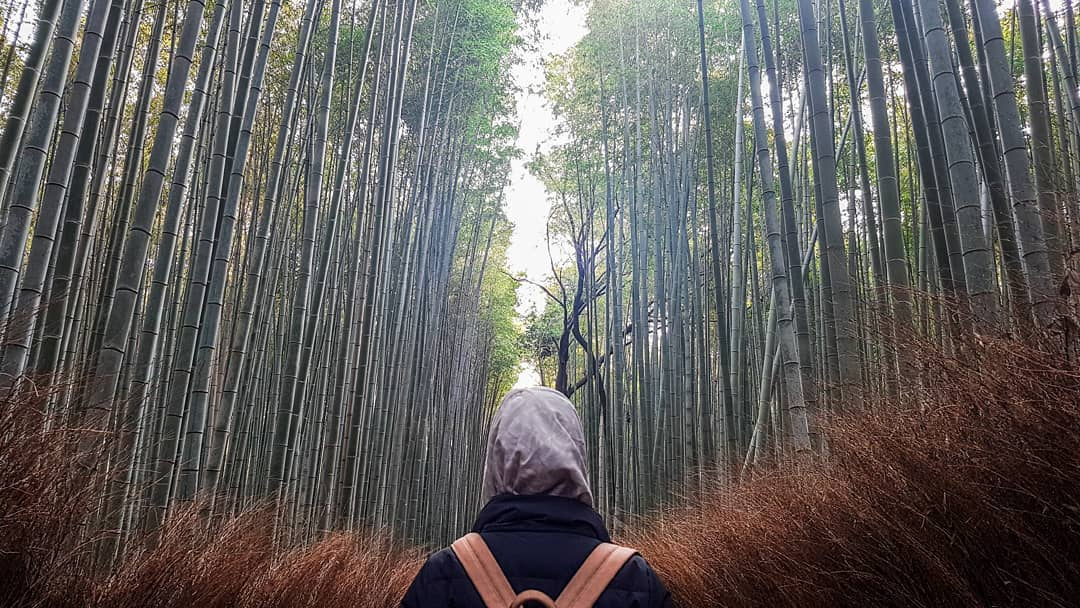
(808, 270)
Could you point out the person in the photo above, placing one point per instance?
(538, 519)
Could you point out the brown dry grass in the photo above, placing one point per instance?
(966, 494)
(235, 563)
(47, 550)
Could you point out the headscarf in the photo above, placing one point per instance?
(536, 447)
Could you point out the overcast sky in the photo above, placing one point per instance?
(561, 25)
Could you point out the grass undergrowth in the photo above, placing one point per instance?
(962, 492)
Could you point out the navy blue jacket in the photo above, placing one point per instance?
(540, 542)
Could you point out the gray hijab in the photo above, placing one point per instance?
(536, 447)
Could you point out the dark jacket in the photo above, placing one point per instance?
(540, 542)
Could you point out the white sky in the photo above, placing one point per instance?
(561, 25)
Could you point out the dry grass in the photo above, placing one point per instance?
(970, 498)
(47, 548)
(967, 494)
(44, 498)
(236, 564)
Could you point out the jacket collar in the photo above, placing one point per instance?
(506, 513)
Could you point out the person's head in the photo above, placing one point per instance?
(536, 447)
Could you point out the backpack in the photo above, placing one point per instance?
(581, 592)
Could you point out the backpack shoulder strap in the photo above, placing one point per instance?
(483, 571)
(594, 576)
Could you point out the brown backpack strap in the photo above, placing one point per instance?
(594, 576)
(483, 571)
(533, 596)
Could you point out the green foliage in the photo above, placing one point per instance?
(496, 299)
(463, 59)
(499, 301)
(539, 339)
